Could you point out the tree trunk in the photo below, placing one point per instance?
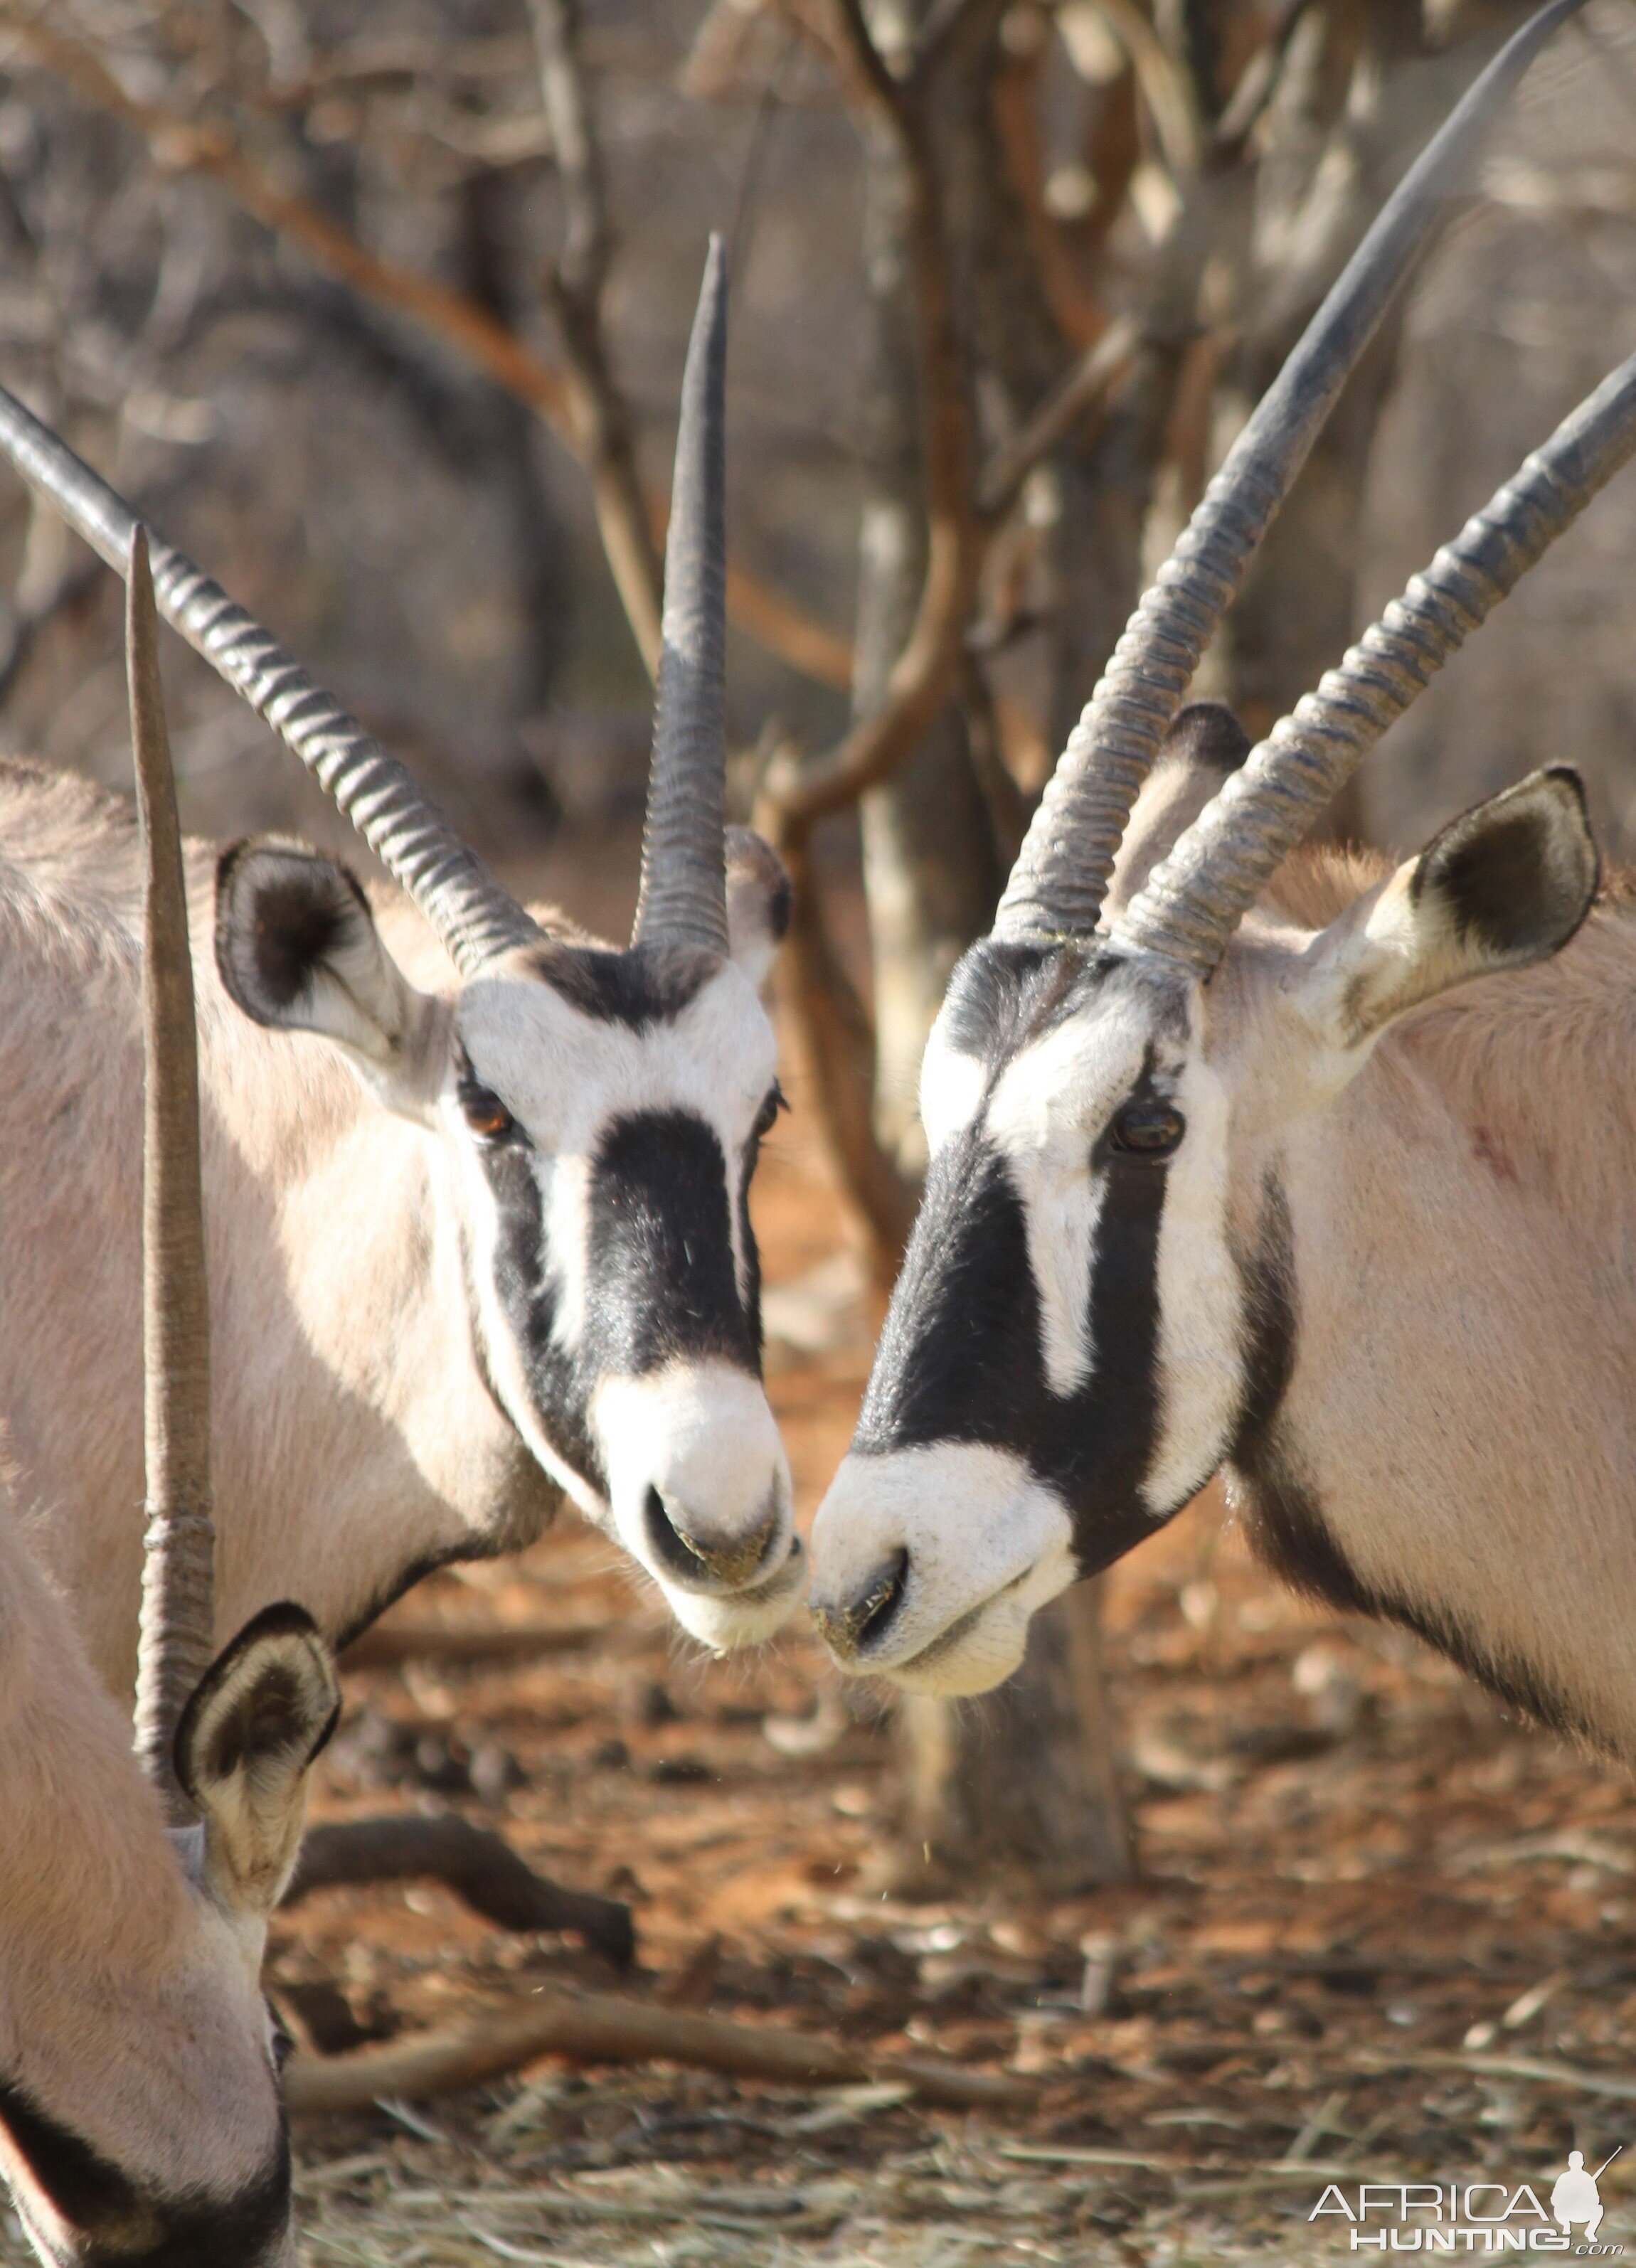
(1024, 1781)
(931, 875)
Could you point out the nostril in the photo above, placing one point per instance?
(872, 1612)
(877, 1609)
(669, 1547)
(730, 1564)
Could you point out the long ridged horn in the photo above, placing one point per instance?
(683, 898)
(1057, 884)
(1191, 904)
(471, 912)
(176, 1639)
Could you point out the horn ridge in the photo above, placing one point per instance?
(1191, 904)
(471, 911)
(176, 1629)
(1061, 873)
(683, 895)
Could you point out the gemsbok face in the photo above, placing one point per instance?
(565, 1145)
(1091, 1313)
(598, 1114)
(1128, 1095)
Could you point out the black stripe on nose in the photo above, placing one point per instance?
(962, 1357)
(660, 1278)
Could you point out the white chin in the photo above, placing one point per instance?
(742, 1618)
(980, 1652)
(981, 1543)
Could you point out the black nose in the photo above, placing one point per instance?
(702, 1564)
(850, 1630)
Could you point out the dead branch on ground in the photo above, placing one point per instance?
(600, 2029)
(479, 1865)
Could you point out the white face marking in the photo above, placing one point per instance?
(702, 1436)
(1051, 1104)
(1199, 1300)
(951, 1088)
(987, 1546)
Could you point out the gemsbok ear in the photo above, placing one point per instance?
(758, 902)
(246, 1743)
(1505, 884)
(298, 951)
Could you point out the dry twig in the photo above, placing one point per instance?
(571, 408)
(477, 1863)
(598, 2028)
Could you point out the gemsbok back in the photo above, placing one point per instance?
(477, 1236)
(1225, 1172)
(140, 2119)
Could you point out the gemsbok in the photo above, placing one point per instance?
(1220, 1178)
(476, 1236)
(140, 2117)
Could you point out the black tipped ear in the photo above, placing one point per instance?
(246, 1743)
(298, 950)
(1207, 732)
(1502, 885)
(758, 902)
(1516, 876)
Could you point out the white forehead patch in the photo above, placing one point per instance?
(1049, 1105)
(564, 1074)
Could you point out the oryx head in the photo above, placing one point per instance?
(1079, 1333)
(140, 2115)
(597, 1112)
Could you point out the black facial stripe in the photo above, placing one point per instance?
(124, 2225)
(1003, 996)
(648, 985)
(660, 1269)
(1267, 1283)
(962, 1356)
(661, 1279)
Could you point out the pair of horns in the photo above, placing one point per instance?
(1057, 885)
(683, 897)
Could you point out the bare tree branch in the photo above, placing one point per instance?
(574, 286)
(209, 149)
(1090, 380)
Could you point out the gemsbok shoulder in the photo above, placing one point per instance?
(479, 1233)
(140, 2115)
(1226, 1173)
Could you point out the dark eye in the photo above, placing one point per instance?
(767, 1115)
(485, 1114)
(1147, 1128)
